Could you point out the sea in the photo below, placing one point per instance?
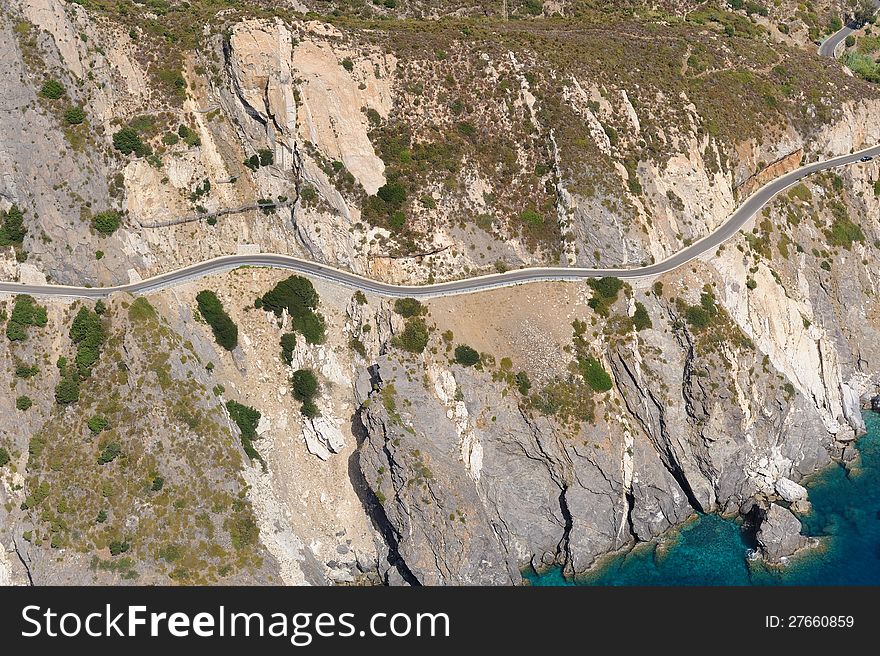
(713, 550)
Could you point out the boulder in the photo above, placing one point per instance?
(780, 534)
(793, 493)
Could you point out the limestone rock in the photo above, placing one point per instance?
(780, 534)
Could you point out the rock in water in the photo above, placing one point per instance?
(780, 534)
(875, 403)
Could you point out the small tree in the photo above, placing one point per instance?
(641, 319)
(288, 344)
(408, 307)
(23, 403)
(106, 222)
(466, 356)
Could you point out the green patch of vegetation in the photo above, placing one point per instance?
(247, 419)
(52, 89)
(414, 336)
(297, 295)
(523, 384)
(304, 384)
(88, 333)
(641, 319)
(4, 457)
(74, 116)
(110, 452)
(605, 292)
(23, 403)
(594, 373)
(409, 307)
(98, 423)
(224, 329)
(127, 140)
(106, 222)
(25, 313)
(26, 371)
(140, 310)
(263, 157)
(844, 232)
(12, 228)
(532, 219)
(288, 344)
(864, 66)
(466, 356)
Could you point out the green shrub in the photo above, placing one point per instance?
(225, 330)
(4, 457)
(414, 337)
(170, 139)
(109, 453)
(25, 312)
(605, 292)
(23, 403)
(288, 344)
(408, 307)
(393, 193)
(118, 547)
(88, 334)
(52, 89)
(466, 356)
(607, 287)
(697, 317)
(67, 390)
(295, 294)
(594, 373)
(305, 386)
(347, 64)
(12, 228)
(157, 484)
(106, 222)
(243, 530)
(844, 232)
(98, 423)
(523, 384)
(26, 371)
(127, 141)
(532, 219)
(74, 116)
(247, 419)
(641, 319)
(102, 516)
(312, 326)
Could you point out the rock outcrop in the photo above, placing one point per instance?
(779, 535)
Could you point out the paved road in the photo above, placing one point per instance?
(707, 244)
(829, 45)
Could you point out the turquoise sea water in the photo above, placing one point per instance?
(710, 550)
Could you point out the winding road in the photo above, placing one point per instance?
(722, 233)
(829, 45)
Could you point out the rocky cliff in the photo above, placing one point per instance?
(464, 439)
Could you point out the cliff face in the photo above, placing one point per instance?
(592, 418)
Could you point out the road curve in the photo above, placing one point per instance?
(829, 45)
(722, 233)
